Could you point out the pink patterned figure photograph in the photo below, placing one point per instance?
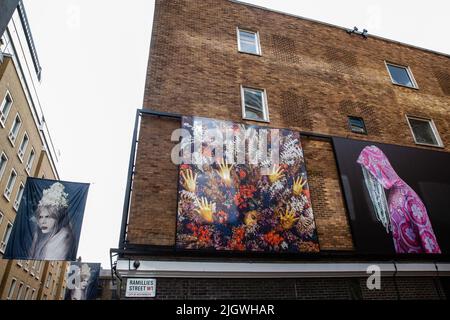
(401, 211)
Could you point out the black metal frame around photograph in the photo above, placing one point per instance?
(126, 249)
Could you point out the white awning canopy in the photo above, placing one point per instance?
(200, 269)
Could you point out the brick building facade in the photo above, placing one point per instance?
(315, 76)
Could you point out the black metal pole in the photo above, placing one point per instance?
(315, 135)
(126, 202)
(160, 113)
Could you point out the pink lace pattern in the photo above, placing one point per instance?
(410, 225)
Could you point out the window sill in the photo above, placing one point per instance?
(403, 86)
(430, 145)
(12, 141)
(250, 53)
(6, 197)
(360, 133)
(249, 119)
(20, 158)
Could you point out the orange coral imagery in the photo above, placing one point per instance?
(256, 207)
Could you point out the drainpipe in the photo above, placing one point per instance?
(395, 280)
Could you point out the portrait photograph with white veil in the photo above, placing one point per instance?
(49, 220)
(82, 281)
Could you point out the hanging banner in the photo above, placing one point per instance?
(397, 197)
(243, 188)
(82, 281)
(48, 222)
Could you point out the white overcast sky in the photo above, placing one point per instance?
(94, 58)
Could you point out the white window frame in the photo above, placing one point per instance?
(433, 128)
(12, 288)
(33, 292)
(265, 104)
(20, 263)
(29, 165)
(7, 193)
(1, 217)
(363, 124)
(19, 292)
(19, 196)
(54, 288)
(408, 70)
(4, 116)
(258, 44)
(11, 137)
(2, 170)
(5, 237)
(49, 279)
(27, 291)
(21, 152)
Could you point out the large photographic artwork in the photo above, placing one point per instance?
(238, 199)
(82, 281)
(48, 222)
(397, 197)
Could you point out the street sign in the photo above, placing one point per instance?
(138, 288)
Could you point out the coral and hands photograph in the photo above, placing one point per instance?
(235, 207)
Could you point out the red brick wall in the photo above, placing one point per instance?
(326, 196)
(315, 76)
(153, 210)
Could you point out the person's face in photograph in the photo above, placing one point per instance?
(45, 221)
(75, 295)
(84, 283)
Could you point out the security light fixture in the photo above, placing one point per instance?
(355, 30)
(364, 33)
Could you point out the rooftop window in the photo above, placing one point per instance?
(401, 75)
